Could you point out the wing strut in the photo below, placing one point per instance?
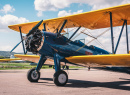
(119, 37)
(112, 41)
(22, 40)
(125, 22)
(44, 26)
(74, 33)
(61, 27)
(127, 38)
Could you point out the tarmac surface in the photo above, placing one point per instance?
(81, 82)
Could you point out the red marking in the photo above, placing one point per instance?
(88, 53)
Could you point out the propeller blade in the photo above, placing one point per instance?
(30, 32)
(34, 28)
(16, 46)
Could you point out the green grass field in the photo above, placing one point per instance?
(5, 66)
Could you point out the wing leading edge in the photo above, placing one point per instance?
(92, 20)
(113, 59)
(32, 58)
(12, 59)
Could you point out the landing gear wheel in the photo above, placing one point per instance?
(60, 78)
(33, 76)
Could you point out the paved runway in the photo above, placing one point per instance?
(81, 82)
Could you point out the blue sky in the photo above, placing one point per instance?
(22, 11)
(26, 9)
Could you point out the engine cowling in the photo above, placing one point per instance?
(33, 41)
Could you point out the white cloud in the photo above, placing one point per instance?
(50, 5)
(7, 8)
(9, 20)
(11, 38)
(99, 4)
(53, 5)
(39, 14)
(65, 13)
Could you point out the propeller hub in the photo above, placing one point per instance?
(33, 41)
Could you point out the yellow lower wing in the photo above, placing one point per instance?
(35, 59)
(32, 58)
(12, 59)
(113, 59)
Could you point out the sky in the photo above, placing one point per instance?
(22, 11)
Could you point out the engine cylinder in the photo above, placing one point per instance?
(33, 41)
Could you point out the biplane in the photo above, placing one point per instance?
(46, 39)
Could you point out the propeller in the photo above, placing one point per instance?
(30, 32)
(34, 28)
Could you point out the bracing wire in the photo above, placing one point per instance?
(97, 36)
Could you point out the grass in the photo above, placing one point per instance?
(5, 66)
(8, 66)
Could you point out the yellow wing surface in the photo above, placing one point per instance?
(113, 59)
(12, 59)
(92, 20)
(32, 58)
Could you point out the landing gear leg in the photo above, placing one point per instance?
(60, 77)
(33, 75)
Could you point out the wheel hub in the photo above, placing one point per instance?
(34, 75)
(62, 78)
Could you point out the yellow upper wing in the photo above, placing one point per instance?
(113, 59)
(92, 20)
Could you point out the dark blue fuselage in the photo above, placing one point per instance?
(61, 46)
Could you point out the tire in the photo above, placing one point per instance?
(33, 76)
(60, 78)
